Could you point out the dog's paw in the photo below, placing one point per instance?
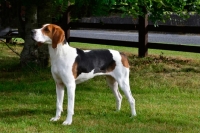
(67, 122)
(134, 115)
(55, 118)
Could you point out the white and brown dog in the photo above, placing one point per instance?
(71, 66)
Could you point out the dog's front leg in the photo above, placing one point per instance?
(59, 103)
(71, 98)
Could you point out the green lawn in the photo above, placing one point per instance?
(135, 50)
(166, 88)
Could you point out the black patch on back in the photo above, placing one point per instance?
(99, 60)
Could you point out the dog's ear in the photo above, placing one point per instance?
(58, 36)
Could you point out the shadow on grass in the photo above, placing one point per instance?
(23, 112)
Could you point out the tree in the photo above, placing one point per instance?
(160, 10)
(157, 10)
(27, 15)
(30, 14)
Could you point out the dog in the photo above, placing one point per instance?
(71, 66)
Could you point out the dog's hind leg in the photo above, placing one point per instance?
(123, 81)
(114, 87)
(59, 103)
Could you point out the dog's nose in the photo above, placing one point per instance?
(33, 32)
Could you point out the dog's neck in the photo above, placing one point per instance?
(60, 51)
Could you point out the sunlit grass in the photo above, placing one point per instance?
(166, 89)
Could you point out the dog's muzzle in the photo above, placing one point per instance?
(33, 34)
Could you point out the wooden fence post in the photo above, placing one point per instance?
(143, 36)
(67, 32)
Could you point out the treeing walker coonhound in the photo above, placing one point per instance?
(71, 66)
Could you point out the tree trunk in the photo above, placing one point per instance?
(28, 53)
(31, 53)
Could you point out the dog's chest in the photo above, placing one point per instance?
(61, 69)
(61, 72)
(62, 60)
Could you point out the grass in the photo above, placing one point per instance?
(135, 50)
(166, 89)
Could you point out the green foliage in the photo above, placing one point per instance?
(57, 7)
(92, 7)
(158, 10)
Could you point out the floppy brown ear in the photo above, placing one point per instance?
(58, 36)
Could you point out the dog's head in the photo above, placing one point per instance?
(50, 34)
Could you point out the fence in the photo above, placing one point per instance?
(143, 45)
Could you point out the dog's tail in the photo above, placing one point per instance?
(124, 60)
